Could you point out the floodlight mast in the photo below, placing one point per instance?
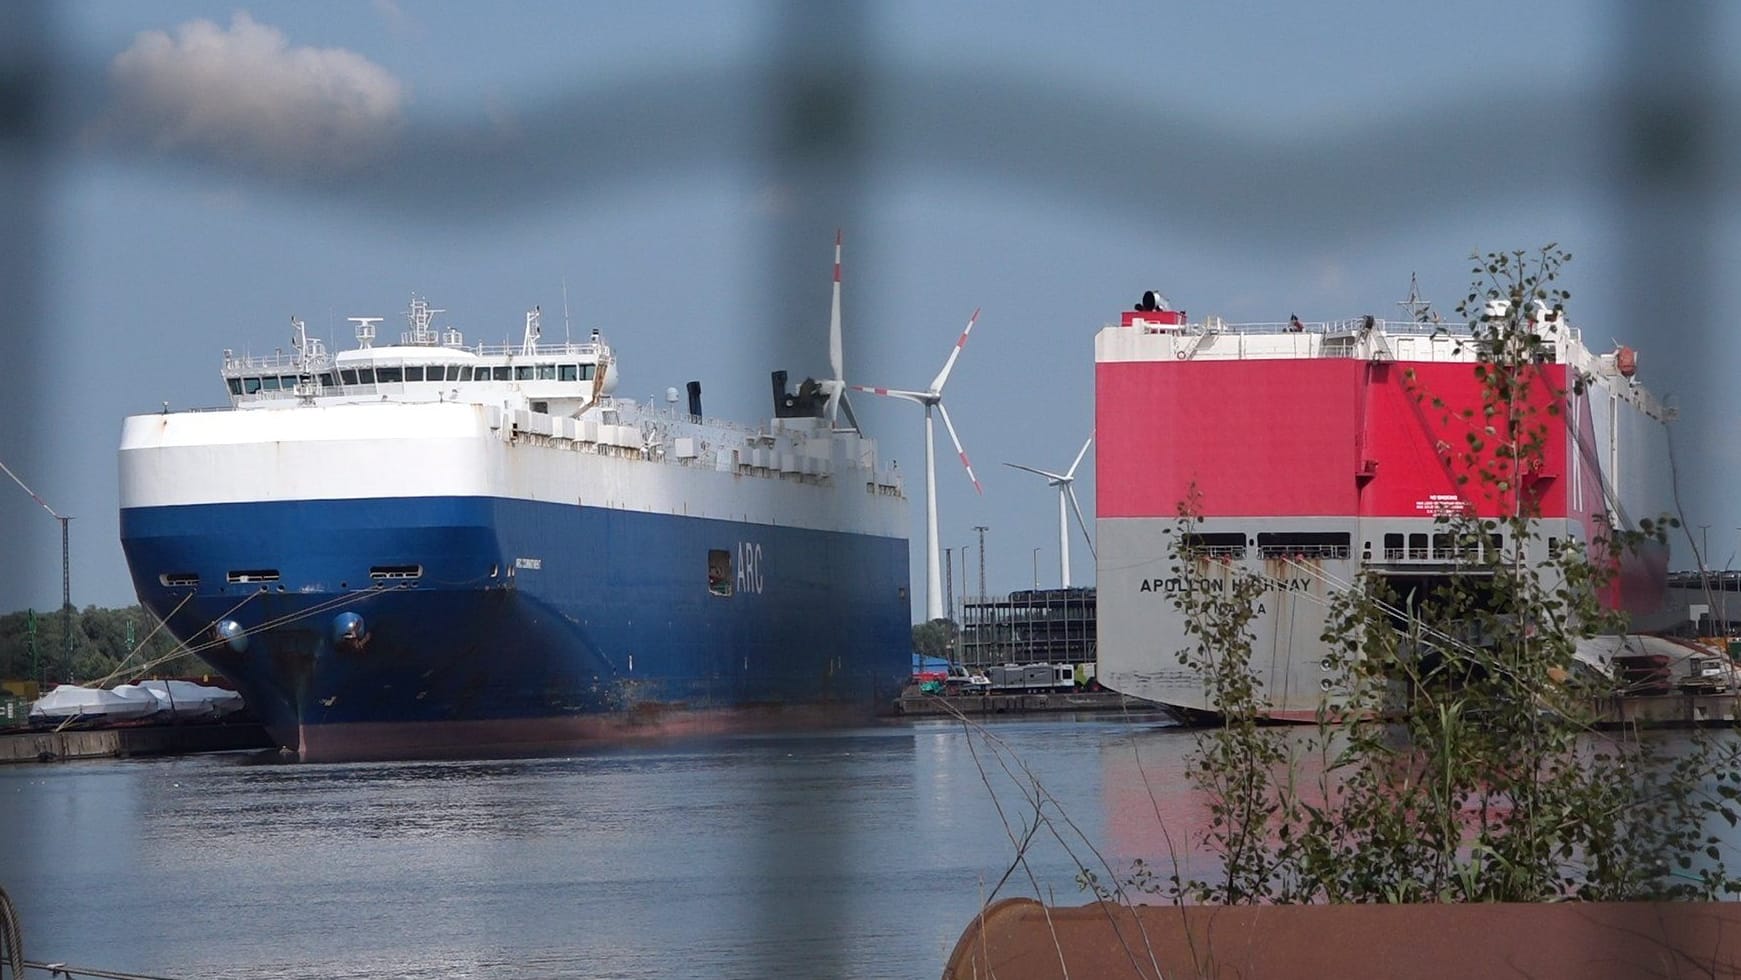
(66, 578)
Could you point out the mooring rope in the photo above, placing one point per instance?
(11, 939)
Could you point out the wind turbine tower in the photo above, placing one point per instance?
(1066, 494)
(932, 398)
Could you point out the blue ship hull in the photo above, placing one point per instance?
(496, 625)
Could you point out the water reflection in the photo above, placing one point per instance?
(860, 853)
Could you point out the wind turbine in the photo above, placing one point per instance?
(932, 397)
(1065, 492)
(836, 386)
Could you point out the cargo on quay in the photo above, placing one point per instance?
(1318, 451)
(431, 547)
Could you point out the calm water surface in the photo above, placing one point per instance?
(852, 854)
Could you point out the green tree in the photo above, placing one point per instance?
(935, 638)
(1456, 759)
(100, 647)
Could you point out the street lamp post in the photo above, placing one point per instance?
(1033, 600)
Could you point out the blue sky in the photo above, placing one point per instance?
(213, 169)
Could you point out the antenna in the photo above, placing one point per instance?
(66, 578)
(565, 338)
(1416, 307)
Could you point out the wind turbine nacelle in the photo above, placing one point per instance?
(810, 400)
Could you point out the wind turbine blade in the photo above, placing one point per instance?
(1030, 469)
(1071, 472)
(958, 450)
(835, 359)
(1070, 492)
(834, 353)
(33, 495)
(949, 365)
(918, 396)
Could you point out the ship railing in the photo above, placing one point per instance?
(1351, 325)
(1435, 554)
(1216, 550)
(576, 349)
(282, 360)
(1304, 552)
(279, 361)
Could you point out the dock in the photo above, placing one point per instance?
(941, 705)
(1682, 709)
(120, 742)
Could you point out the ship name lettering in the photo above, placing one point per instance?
(1179, 584)
(749, 576)
(532, 563)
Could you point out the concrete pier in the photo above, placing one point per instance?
(923, 705)
(113, 743)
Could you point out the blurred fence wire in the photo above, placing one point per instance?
(825, 116)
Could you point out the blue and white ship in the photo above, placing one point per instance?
(430, 548)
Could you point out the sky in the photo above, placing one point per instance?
(195, 174)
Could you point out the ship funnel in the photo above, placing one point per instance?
(1153, 302)
(695, 399)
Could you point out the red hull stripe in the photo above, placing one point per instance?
(1322, 437)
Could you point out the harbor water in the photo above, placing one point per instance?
(858, 853)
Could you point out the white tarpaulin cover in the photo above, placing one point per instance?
(185, 699)
(72, 701)
(180, 699)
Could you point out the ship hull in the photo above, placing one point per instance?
(530, 626)
(1309, 469)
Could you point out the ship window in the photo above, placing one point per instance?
(546, 372)
(250, 386)
(326, 379)
(1222, 545)
(389, 375)
(542, 408)
(414, 372)
(569, 372)
(268, 384)
(366, 376)
(348, 375)
(235, 386)
(586, 372)
(1418, 546)
(503, 373)
(287, 382)
(719, 572)
(1392, 547)
(523, 373)
(453, 372)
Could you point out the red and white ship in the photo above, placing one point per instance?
(1316, 451)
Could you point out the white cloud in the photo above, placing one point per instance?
(246, 95)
